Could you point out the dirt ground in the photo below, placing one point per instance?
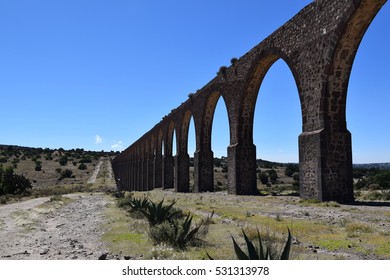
(72, 226)
(67, 227)
(39, 229)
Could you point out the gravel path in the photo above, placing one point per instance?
(39, 229)
(95, 173)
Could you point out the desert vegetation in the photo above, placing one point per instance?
(32, 172)
(162, 224)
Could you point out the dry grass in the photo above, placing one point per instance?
(268, 214)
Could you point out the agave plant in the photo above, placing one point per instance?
(179, 233)
(261, 253)
(137, 204)
(158, 213)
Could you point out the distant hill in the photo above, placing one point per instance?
(46, 167)
(385, 165)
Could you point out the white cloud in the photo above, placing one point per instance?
(98, 139)
(117, 145)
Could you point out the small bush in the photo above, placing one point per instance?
(63, 160)
(82, 166)
(56, 197)
(66, 174)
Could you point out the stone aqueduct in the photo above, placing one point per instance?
(319, 45)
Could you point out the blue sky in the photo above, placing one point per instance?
(98, 74)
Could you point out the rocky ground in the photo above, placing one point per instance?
(58, 228)
(71, 227)
(40, 229)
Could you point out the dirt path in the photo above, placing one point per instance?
(95, 173)
(40, 229)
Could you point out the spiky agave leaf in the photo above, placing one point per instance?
(239, 253)
(262, 255)
(253, 255)
(286, 251)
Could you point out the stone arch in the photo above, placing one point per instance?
(182, 138)
(208, 117)
(242, 154)
(336, 150)
(204, 156)
(182, 158)
(259, 70)
(167, 160)
(339, 70)
(319, 46)
(169, 138)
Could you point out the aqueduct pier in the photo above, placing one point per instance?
(319, 45)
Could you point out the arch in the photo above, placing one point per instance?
(278, 116)
(182, 139)
(319, 46)
(208, 117)
(367, 105)
(160, 141)
(169, 138)
(168, 161)
(354, 29)
(182, 159)
(242, 153)
(259, 70)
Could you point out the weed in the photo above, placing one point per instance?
(356, 229)
(3, 199)
(56, 197)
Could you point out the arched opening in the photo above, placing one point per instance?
(169, 143)
(368, 97)
(162, 147)
(220, 140)
(182, 158)
(367, 111)
(191, 149)
(336, 151)
(277, 125)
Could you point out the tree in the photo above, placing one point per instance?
(291, 168)
(263, 178)
(66, 174)
(273, 176)
(63, 160)
(11, 183)
(82, 166)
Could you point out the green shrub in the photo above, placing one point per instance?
(63, 160)
(66, 174)
(11, 183)
(82, 166)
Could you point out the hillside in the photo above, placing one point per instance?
(51, 167)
